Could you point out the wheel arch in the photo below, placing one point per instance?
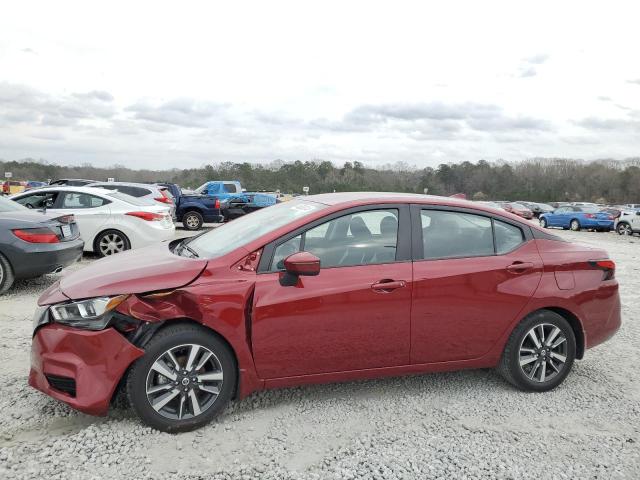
(157, 327)
(574, 322)
(94, 243)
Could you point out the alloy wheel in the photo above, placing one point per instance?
(112, 243)
(575, 225)
(625, 229)
(543, 223)
(1, 273)
(192, 221)
(184, 382)
(543, 352)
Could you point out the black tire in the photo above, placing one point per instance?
(103, 236)
(192, 220)
(543, 223)
(574, 225)
(624, 228)
(509, 366)
(6, 274)
(168, 338)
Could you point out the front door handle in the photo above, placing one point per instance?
(386, 285)
(519, 267)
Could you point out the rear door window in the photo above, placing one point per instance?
(508, 237)
(455, 235)
(76, 200)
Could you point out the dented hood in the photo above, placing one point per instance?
(135, 271)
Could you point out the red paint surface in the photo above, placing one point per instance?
(345, 323)
(96, 360)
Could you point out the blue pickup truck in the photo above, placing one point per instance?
(194, 209)
(234, 202)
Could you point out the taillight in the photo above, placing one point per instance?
(148, 216)
(590, 215)
(36, 235)
(607, 266)
(66, 219)
(217, 204)
(164, 199)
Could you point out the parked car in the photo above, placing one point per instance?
(31, 184)
(628, 222)
(578, 218)
(234, 201)
(325, 288)
(157, 193)
(33, 243)
(194, 210)
(633, 206)
(72, 182)
(517, 209)
(9, 187)
(110, 222)
(537, 208)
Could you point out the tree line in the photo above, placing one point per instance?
(543, 180)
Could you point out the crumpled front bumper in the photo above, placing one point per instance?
(92, 360)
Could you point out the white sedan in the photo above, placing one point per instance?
(109, 221)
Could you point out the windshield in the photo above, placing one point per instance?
(244, 230)
(590, 209)
(141, 201)
(7, 205)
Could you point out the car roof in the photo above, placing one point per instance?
(127, 184)
(65, 188)
(347, 199)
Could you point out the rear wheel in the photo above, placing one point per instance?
(539, 353)
(6, 274)
(575, 225)
(192, 220)
(186, 377)
(111, 242)
(624, 229)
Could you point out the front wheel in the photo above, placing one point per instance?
(574, 225)
(543, 222)
(186, 377)
(624, 229)
(539, 353)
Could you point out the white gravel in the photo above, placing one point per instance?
(450, 425)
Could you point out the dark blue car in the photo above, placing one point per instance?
(578, 218)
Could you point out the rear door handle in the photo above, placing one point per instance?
(519, 267)
(386, 286)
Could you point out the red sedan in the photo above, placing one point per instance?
(327, 288)
(518, 209)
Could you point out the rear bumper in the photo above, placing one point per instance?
(92, 362)
(34, 259)
(597, 224)
(604, 316)
(152, 234)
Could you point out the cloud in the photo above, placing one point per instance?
(446, 117)
(612, 124)
(23, 104)
(538, 59)
(529, 67)
(183, 112)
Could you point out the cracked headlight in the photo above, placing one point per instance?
(90, 314)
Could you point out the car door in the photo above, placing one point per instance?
(91, 212)
(553, 218)
(467, 287)
(355, 314)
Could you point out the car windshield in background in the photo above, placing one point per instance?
(244, 230)
(140, 201)
(590, 209)
(7, 205)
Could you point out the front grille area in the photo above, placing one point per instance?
(63, 384)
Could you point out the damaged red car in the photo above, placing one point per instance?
(328, 288)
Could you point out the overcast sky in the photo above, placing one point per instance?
(180, 84)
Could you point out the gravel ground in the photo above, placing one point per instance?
(451, 425)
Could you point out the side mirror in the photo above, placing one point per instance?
(299, 264)
(302, 263)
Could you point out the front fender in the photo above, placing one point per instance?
(220, 305)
